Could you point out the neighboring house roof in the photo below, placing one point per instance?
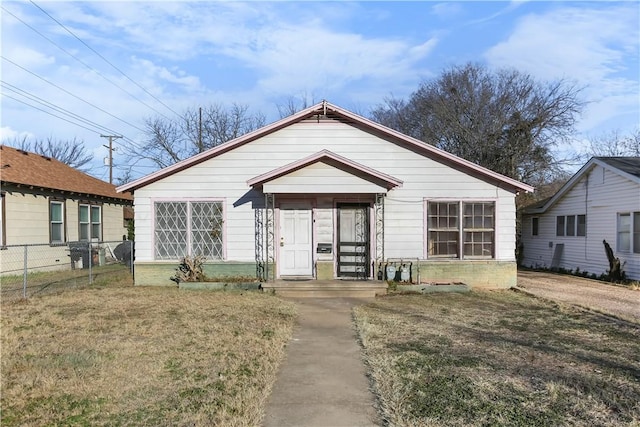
(330, 158)
(628, 167)
(33, 170)
(326, 109)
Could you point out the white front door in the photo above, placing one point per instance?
(296, 254)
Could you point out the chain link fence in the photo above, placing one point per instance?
(28, 270)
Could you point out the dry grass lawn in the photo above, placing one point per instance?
(499, 358)
(141, 356)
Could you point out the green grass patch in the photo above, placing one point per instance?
(498, 358)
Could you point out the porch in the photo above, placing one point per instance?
(326, 288)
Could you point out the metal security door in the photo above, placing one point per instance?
(296, 255)
(353, 241)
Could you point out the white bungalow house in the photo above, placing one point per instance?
(327, 194)
(600, 202)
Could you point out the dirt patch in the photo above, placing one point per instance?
(614, 300)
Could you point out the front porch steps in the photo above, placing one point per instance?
(326, 288)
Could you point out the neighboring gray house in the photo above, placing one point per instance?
(327, 194)
(600, 202)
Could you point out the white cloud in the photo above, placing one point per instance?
(9, 135)
(592, 46)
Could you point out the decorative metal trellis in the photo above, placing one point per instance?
(379, 214)
(264, 238)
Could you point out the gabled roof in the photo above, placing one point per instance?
(627, 167)
(325, 109)
(333, 159)
(33, 170)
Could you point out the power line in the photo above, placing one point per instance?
(84, 63)
(50, 113)
(43, 102)
(104, 59)
(69, 93)
(61, 110)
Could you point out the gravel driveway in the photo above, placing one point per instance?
(618, 301)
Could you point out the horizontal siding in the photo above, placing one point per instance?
(27, 219)
(227, 174)
(599, 195)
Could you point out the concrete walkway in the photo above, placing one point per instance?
(322, 382)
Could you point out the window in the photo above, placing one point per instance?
(571, 225)
(188, 228)
(478, 230)
(636, 232)
(56, 221)
(628, 229)
(444, 232)
(581, 229)
(472, 236)
(535, 224)
(560, 226)
(90, 220)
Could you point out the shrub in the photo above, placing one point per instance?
(190, 270)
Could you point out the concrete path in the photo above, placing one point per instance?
(322, 382)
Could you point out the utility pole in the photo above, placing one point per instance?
(111, 150)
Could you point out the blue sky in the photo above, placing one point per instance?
(190, 54)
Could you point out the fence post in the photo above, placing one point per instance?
(24, 274)
(90, 248)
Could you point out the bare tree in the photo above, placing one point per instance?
(503, 120)
(71, 152)
(195, 131)
(293, 104)
(615, 144)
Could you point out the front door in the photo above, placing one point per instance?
(296, 254)
(353, 241)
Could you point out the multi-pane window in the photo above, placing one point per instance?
(188, 228)
(478, 229)
(56, 221)
(571, 225)
(90, 221)
(444, 231)
(470, 235)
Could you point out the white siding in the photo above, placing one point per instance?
(227, 174)
(321, 178)
(599, 194)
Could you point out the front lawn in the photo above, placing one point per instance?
(498, 358)
(141, 356)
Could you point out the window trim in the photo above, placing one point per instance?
(91, 205)
(535, 226)
(63, 222)
(460, 229)
(630, 232)
(189, 200)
